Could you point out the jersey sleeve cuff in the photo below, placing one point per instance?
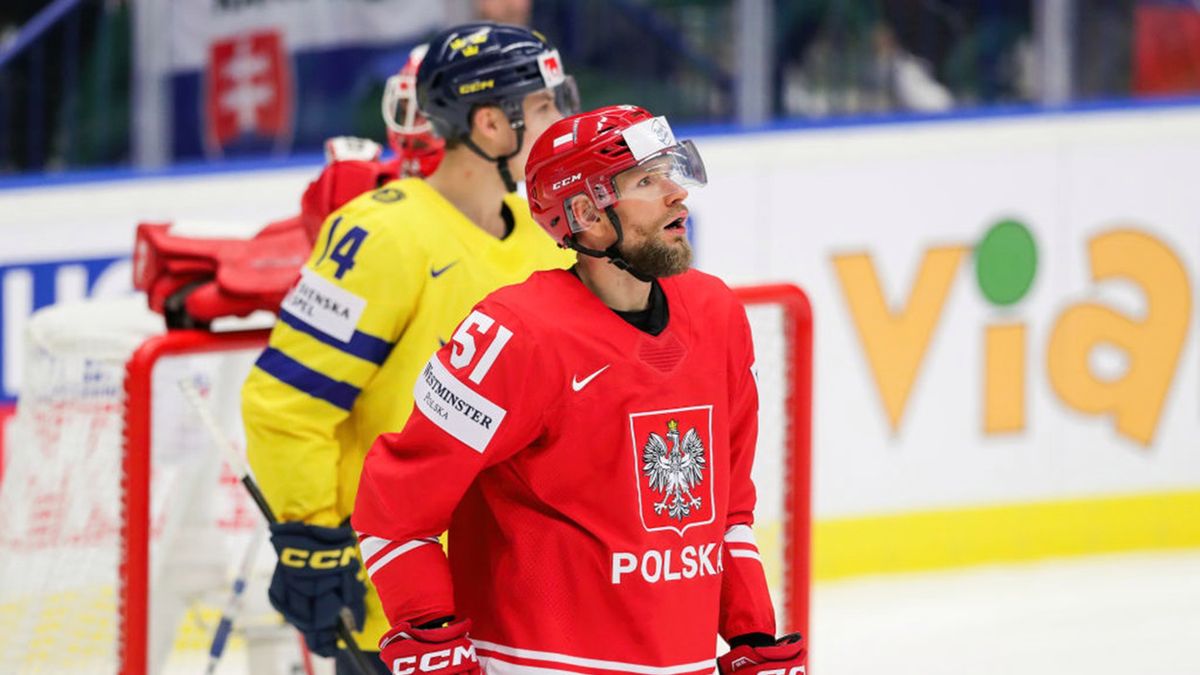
(412, 577)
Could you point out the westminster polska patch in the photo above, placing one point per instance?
(457, 409)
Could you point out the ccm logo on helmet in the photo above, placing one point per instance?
(566, 181)
(796, 670)
(477, 86)
(431, 662)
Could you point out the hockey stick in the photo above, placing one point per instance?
(233, 607)
(237, 462)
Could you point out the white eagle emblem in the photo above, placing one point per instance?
(674, 473)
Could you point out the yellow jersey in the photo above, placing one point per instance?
(392, 274)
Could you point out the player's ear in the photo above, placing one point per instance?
(489, 122)
(584, 211)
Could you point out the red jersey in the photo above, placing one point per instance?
(594, 479)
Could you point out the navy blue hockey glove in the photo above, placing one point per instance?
(318, 574)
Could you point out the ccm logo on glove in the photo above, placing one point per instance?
(431, 662)
(318, 560)
(407, 650)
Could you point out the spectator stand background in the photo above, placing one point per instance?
(94, 83)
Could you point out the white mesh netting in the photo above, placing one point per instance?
(61, 493)
(769, 473)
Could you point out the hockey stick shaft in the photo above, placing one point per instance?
(238, 463)
(233, 608)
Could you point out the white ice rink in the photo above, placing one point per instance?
(1127, 614)
(1119, 615)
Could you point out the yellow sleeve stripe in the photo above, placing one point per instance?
(364, 346)
(299, 376)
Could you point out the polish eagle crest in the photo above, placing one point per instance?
(674, 472)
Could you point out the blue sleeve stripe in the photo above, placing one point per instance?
(291, 372)
(366, 347)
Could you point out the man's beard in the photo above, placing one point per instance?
(657, 258)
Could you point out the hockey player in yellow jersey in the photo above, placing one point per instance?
(391, 275)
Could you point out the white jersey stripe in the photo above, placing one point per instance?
(397, 552)
(493, 666)
(598, 664)
(741, 534)
(371, 546)
(742, 553)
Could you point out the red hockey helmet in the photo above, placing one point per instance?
(418, 149)
(585, 153)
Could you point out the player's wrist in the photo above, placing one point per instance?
(752, 640)
(786, 655)
(439, 622)
(314, 547)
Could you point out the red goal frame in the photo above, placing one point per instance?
(798, 326)
(133, 578)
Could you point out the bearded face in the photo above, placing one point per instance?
(652, 216)
(657, 250)
(653, 220)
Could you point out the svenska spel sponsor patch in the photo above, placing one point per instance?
(453, 406)
(324, 305)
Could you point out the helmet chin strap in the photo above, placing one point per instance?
(502, 161)
(611, 253)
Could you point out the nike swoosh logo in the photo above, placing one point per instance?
(578, 384)
(435, 273)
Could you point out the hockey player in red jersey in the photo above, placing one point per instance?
(194, 280)
(354, 165)
(587, 438)
(418, 150)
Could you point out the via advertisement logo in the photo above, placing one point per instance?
(1006, 264)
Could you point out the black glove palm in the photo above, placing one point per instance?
(316, 576)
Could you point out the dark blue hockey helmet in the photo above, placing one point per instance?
(486, 63)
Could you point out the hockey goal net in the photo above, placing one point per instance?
(124, 531)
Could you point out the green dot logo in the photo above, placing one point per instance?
(1006, 262)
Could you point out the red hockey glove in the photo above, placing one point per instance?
(407, 650)
(786, 657)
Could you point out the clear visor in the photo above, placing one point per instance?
(400, 111)
(676, 168)
(667, 172)
(566, 97)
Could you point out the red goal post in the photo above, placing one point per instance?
(795, 358)
(134, 575)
